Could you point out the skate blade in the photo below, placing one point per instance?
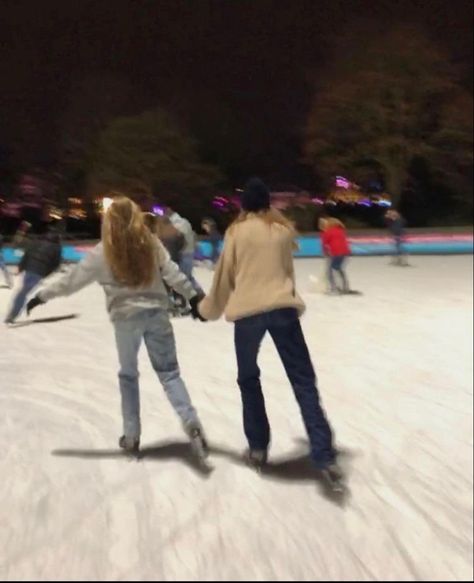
(199, 449)
(338, 488)
(258, 468)
(201, 459)
(132, 456)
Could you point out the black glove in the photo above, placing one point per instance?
(31, 305)
(194, 303)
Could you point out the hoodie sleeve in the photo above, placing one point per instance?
(172, 275)
(325, 242)
(214, 304)
(79, 276)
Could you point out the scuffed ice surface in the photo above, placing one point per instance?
(395, 371)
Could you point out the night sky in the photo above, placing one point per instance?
(251, 59)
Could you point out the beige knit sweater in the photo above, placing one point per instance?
(255, 273)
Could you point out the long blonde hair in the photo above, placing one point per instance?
(128, 244)
(270, 216)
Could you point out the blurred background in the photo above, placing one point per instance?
(346, 107)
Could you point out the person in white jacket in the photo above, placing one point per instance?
(131, 265)
(186, 262)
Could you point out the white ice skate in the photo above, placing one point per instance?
(333, 479)
(198, 442)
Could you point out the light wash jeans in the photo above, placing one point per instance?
(154, 327)
(30, 281)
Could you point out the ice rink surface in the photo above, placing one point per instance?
(395, 373)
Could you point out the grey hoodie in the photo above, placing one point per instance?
(184, 226)
(122, 302)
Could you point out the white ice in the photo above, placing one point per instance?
(395, 373)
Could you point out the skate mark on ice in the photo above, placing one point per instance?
(173, 450)
(51, 320)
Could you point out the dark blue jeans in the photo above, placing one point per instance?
(399, 245)
(285, 329)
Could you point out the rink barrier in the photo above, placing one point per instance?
(310, 246)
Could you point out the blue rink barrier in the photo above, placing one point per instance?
(433, 244)
(310, 246)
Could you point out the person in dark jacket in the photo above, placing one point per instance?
(396, 225)
(336, 248)
(173, 240)
(41, 259)
(214, 238)
(3, 267)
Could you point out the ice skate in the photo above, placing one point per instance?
(351, 292)
(333, 478)
(198, 442)
(256, 459)
(130, 445)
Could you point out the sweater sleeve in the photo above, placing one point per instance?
(172, 275)
(290, 263)
(214, 304)
(78, 277)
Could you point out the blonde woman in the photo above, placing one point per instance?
(254, 284)
(132, 265)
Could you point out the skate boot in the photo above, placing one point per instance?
(198, 441)
(397, 261)
(256, 459)
(130, 445)
(333, 479)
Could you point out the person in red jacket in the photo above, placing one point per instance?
(336, 247)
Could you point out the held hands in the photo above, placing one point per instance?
(194, 303)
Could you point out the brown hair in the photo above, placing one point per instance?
(150, 221)
(165, 229)
(332, 222)
(128, 244)
(323, 223)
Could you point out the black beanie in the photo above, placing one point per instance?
(256, 196)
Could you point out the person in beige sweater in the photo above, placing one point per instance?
(254, 285)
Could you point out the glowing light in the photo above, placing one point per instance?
(158, 210)
(342, 182)
(106, 203)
